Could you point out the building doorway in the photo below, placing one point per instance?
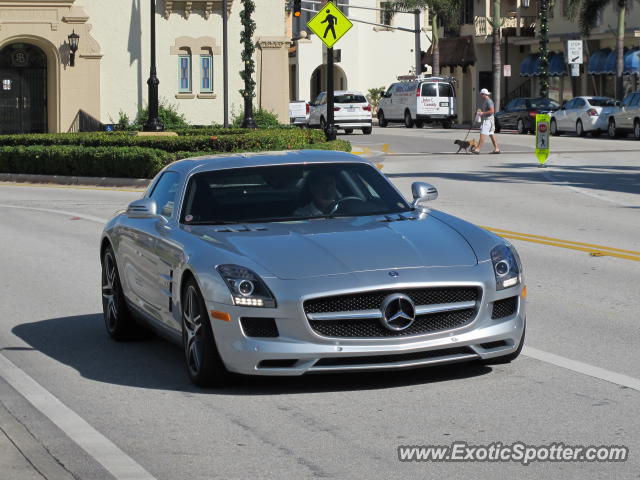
(319, 80)
(23, 89)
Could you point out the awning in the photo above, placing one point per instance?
(528, 65)
(610, 63)
(632, 62)
(557, 67)
(597, 61)
(454, 52)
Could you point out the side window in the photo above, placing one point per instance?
(511, 105)
(578, 103)
(570, 104)
(636, 100)
(184, 73)
(520, 105)
(429, 90)
(164, 193)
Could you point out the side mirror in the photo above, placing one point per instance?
(142, 208)
(423, 192)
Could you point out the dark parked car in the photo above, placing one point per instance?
(520, 113)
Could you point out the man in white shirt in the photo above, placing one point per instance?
(487, 126)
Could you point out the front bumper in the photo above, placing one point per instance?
(299, 350)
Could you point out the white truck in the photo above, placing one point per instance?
(415, 101)
(298, 113)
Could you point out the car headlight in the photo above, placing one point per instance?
(506, 266)
(247, 288)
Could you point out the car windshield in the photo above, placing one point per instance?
(541, 102)
(602, 102)
(289, 193)
(349, 98)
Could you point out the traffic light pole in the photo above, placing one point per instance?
(330, 130)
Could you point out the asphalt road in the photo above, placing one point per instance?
(575, 224)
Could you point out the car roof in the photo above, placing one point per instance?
(261, 159)
(346, 92)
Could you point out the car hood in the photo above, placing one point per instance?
(312, 248)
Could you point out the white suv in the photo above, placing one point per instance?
(351, 110)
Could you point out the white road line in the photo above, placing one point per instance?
(91, 218)
(583, 368)
(105, 452)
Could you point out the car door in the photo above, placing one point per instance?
(632, 111)
(562, 116)
(503, 116)
(142, 267)
(623, 116)
(315, 110)
(574, 113)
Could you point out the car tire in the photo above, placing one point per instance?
(521, 128)
(497, 126)
(323, 124)
(554, 128)
(636, 129)
(204, 365)
(611, 130)
(408, 121)
(447, 124)
(510, 357)
(348, 131)
(580, 129)
(367, 130)
(382, 121)
(119, 322)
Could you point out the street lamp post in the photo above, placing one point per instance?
(153, 123)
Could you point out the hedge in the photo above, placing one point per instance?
(124, 162)
(272, 139)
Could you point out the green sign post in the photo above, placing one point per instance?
(542, 137)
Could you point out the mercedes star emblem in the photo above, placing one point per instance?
(398, 312)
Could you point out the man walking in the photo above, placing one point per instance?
(331, 21)
(488, 124)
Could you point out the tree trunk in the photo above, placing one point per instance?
(497, 61)
(435, 47)
(620, 51)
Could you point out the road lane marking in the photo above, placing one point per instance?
(546, 174)
(594, 249)
(583, 368)
(73, 187)
(105, 452)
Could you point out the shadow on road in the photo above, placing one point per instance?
(611, 178)
(81, 343)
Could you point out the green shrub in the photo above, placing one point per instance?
(72, 160)
(263, 118)
(167, 113)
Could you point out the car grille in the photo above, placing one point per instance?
(373, 328)
(504, 308)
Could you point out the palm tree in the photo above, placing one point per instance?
(588, 12)
(439, 10)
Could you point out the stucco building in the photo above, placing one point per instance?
(42, 92)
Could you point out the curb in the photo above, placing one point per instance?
(70, 180)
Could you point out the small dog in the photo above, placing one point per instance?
(464, 145)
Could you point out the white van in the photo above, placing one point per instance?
(419, 100)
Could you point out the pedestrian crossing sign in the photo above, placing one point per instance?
(329, 24)
(542, 137)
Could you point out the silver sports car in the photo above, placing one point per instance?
(295, 262)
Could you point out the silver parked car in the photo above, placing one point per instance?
(627, 118)
(351, 110)
(294, 262)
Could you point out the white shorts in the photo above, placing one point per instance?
(488, 126)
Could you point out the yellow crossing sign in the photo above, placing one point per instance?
(542, 137)
(329, 24)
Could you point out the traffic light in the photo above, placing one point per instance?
(297, 8)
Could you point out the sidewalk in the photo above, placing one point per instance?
(22, 457)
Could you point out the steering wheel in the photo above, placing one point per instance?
(336, 203)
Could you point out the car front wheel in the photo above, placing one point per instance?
(580, 129)
(636, 130)
(367, 130)
(554, 128)
(204, 365)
